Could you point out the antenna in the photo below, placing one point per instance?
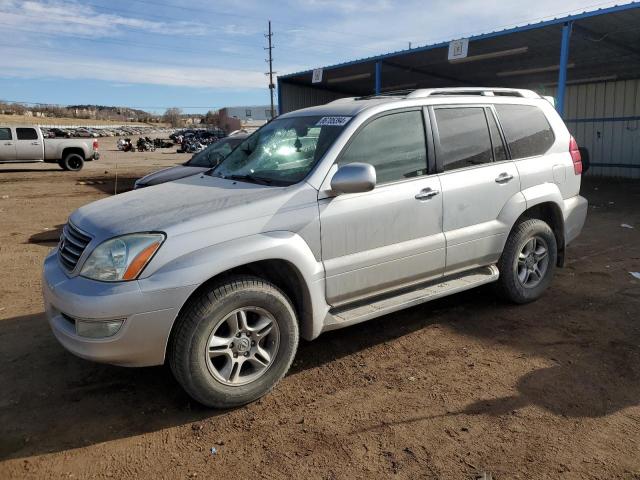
(270, 72)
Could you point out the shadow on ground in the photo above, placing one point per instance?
(61, 402)
(48, 238)
(108, 184)
(29, 170)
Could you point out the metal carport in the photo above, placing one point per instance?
(590, 62)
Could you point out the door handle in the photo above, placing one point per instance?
(35, 143)
(504, 178)
(426, 194)
(8, 143)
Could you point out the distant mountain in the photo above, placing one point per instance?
(103, 111)
(87, 112)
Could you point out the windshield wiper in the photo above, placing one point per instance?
(249, 178)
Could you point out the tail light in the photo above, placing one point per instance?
(95, 145)
(575, 156)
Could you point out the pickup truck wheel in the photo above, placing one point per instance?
(72, 162)
(234, 342)
(528, 261)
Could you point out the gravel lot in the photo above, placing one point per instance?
(450, 389)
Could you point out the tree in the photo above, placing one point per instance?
(173, 116)
(211, 118)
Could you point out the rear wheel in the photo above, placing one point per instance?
(234, 342)
(528, 261)
(72, 162)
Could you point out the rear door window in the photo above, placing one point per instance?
(527, 130)
(463, 137)
(5, 134)
(26, 133)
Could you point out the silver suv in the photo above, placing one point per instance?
(326, 217)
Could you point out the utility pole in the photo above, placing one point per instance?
(270, 72)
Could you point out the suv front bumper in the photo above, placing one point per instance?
(148, 316)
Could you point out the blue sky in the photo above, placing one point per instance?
(200, 55)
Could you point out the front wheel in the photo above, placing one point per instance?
(528, 261)
(234, 342)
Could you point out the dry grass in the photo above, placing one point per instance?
(25, 120)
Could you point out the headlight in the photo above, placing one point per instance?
(122, 258)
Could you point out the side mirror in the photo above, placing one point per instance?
(354, 178)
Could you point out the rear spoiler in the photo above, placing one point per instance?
(550, 99)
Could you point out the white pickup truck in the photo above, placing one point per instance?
(24, 144)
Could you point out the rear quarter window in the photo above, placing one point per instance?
(526, 129)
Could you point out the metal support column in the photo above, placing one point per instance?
(564, 61)
(378, 77)
(279, 97)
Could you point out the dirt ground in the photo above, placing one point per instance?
(451, 389)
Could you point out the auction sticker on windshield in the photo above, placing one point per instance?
(333, 121)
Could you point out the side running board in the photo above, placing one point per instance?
(351, 315)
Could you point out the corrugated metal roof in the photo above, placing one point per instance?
(611, 11)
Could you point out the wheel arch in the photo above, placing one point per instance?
(550, 213)
(69, 150)
(544, 202)
(283, 258)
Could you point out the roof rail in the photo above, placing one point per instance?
(485, 91)
(342, 100)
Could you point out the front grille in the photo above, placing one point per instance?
(72, 244)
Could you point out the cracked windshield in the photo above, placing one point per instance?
(283, 152)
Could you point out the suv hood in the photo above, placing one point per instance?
(182, 206)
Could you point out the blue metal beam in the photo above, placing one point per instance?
(279, 98)
(564, 61)
(378, 87)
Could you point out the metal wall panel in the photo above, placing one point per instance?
(605, 118)
(295, 97)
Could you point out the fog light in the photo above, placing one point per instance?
(98, 329)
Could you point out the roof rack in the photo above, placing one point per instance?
(487, 92)
(461, 91)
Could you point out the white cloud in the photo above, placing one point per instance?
(41, 65)
(70, 17)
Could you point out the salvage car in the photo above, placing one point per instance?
(201, 162)
(324, 218)
(26, 144)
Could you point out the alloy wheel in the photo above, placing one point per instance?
(242, 346)
(532, 262)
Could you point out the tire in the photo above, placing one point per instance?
(528, 261)
(72, 162)
(207, 373)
